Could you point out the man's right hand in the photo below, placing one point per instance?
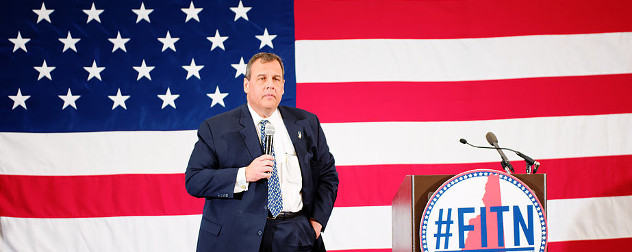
(260, 168)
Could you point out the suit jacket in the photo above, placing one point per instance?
(226, 142)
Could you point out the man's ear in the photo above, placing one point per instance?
(246, 85)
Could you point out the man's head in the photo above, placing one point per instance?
(264, 83)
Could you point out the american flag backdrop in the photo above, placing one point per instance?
(99, 102)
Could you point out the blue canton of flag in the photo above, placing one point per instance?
(73, 66)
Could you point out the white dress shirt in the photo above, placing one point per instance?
(287, 164)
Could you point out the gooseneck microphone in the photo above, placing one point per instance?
(492, 140)
(530, 161)
(269, 139)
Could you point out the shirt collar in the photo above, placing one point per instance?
(273, 118)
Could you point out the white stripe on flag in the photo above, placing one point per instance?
(377, 60)
(349, 228)
(154, 152)
(438, 142)
(96, 153)
(590, 218)
(359, 228)
(138, 233)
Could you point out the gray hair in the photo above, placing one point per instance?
(265, 58)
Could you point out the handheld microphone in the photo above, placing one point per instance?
(269, 139)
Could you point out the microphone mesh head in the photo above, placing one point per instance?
(491, 138)
(269, 129)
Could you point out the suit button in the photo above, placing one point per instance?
(259, 233)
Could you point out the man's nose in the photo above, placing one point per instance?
(269, 84)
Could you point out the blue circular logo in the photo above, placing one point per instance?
(483, 210)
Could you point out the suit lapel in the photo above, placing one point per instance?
(249, 133)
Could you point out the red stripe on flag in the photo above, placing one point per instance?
(623, 244)
(566, 178)
(404, 19)
(164, 194)
(467, 100)
(96, 196)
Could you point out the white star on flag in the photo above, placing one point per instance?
(218, 41)
(69, 42)
(93, 14)
(94, 70)
(118, 42)
(143, 71)
(19, 42)
(168, 42)
(43, 13)
(193, 69)
(44, 70)
(118, 99)
(168, 99)
(69, 99)
(192, 12)
(240, 11)
(217, 97)
(19, 99)
(142, 13)
(266, 39)
(240, 67)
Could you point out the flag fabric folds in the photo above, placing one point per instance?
(99, 102)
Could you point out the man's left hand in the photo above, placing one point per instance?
(317, 227)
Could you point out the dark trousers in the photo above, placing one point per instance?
(293, 234)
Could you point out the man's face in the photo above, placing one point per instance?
(264, 89)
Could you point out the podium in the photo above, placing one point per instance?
(413, 194)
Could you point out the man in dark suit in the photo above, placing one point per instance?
(257, 202)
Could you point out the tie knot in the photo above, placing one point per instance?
(264, 122)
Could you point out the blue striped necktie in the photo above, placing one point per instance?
(275, 202)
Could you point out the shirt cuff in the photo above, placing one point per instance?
(240, 183)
